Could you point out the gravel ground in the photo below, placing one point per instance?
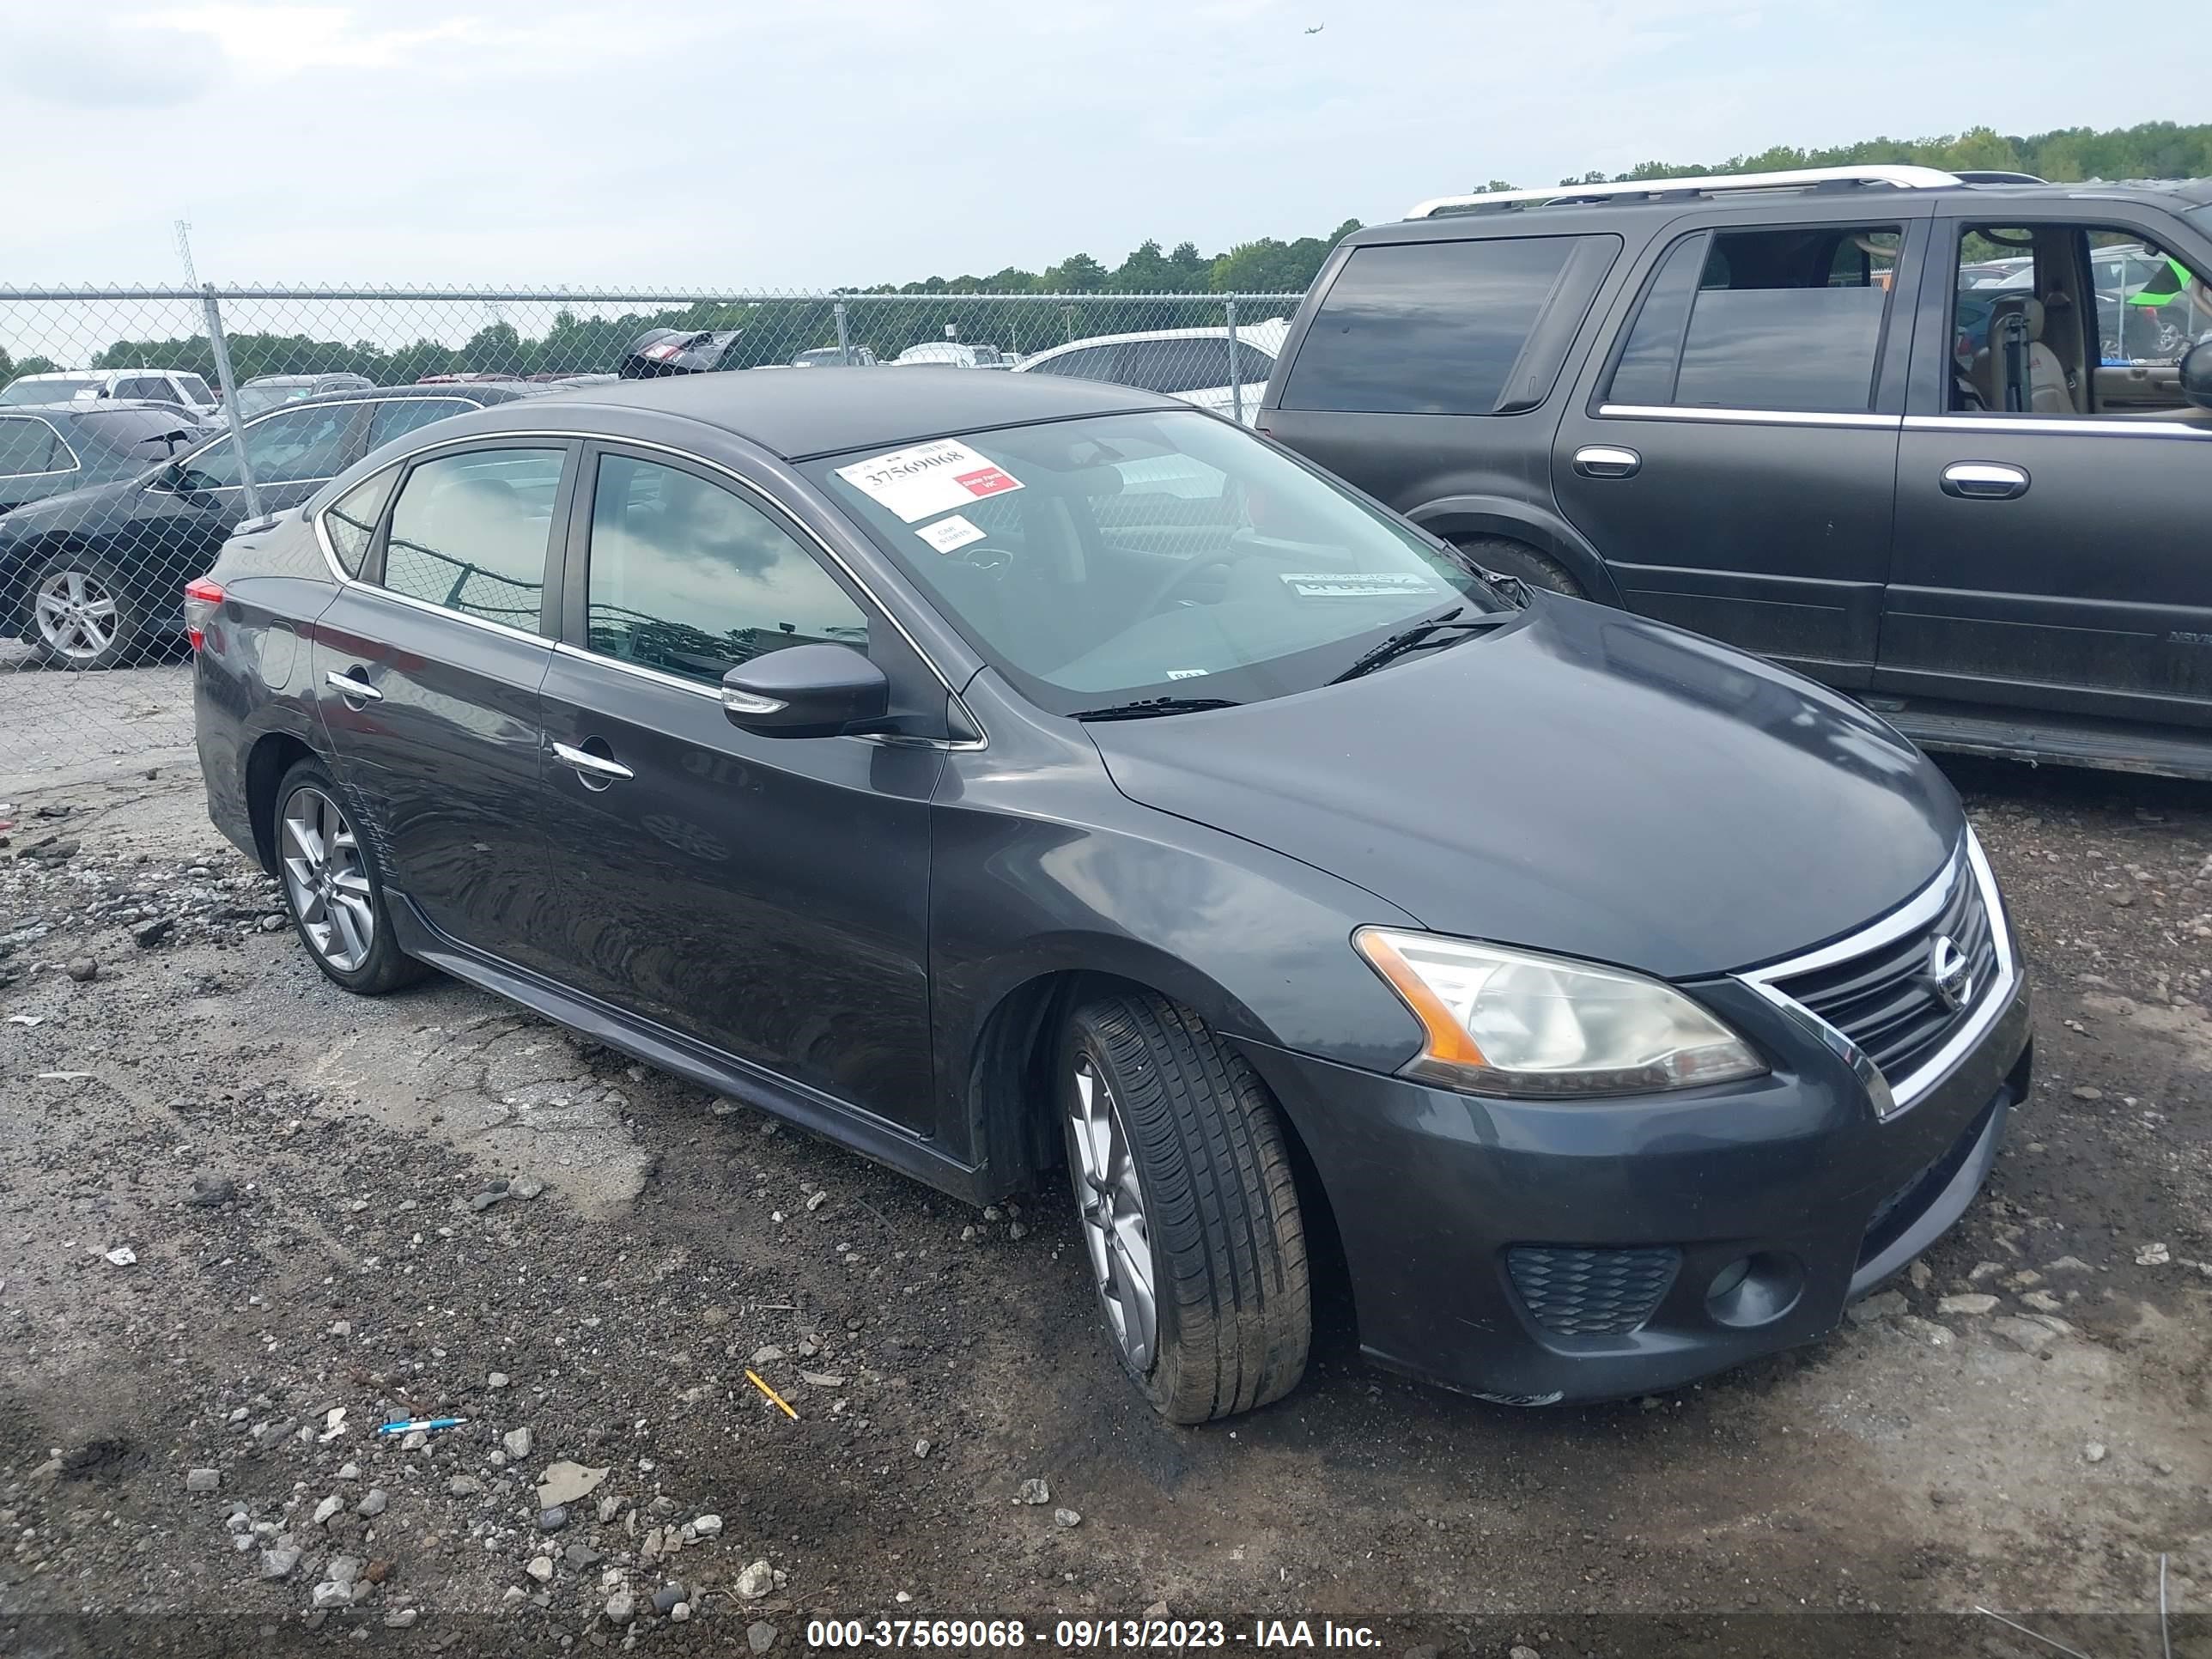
(245, 1218)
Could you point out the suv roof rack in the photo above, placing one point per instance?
(1994, 176)
(1899, 177)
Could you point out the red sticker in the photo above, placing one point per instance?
(986, 481)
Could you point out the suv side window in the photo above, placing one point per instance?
(2080, 321)
(148, 386)
(26, 446)
(1781, 319)
(469, 533)
(688, 578)
(1440, 328)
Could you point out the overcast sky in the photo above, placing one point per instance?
(729, 144)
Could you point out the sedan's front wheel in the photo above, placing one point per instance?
(1189, 1210)
(331, 887)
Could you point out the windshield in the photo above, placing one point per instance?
(256, 400)
(46, 392)
(1126, 556)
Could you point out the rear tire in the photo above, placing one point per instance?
(1512, 558)
(333, 888)
(1183, 1181)
(83, 613)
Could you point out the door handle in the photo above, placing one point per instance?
(1984, 480)
(596, 771)
(352, 687)
(1607, 461)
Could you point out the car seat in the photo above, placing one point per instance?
(2036, 383)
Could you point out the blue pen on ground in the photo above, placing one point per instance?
(421, 1423)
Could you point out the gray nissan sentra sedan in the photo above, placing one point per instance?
(996, 772)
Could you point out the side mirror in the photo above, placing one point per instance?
(2196, 374)
(819, 691)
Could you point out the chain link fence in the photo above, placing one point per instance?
(139, 426)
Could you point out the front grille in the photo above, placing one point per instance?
(1885, 1001)
(1591, 1292)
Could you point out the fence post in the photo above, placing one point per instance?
(221, 347)
(1236, 374)
(844, 338)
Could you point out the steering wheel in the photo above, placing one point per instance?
(983, 556)
(1157, 602)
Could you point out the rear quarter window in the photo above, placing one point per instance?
(1448, 328)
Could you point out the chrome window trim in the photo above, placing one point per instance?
(76, 465)
(2026, 425)
(1895, 1094)
(771, 505)
(1751, 417)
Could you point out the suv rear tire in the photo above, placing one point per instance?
(1183, 1184)
(1513, 558)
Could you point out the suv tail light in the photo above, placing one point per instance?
(203, 594)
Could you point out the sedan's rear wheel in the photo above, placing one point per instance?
(1189, 1210)
(83, 614)
(331, 887)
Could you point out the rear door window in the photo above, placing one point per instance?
(469, 533)
(26, 446)
(1440, 328)
(1091, 363)
(1769, 319)
(395, 417)
(1184, 365)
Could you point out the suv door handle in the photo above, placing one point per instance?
(1984, 480)
(1607, 461)
(596, 771)
(352, 687)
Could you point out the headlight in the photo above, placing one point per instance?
(1505, 1021)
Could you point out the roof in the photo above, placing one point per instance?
(1267, 334)
(1523, 213)
(479, 392)
(801, 415)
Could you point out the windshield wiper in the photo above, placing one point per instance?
(1407, 639)
(1146, 707)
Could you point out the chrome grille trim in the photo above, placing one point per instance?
(1892, 1095)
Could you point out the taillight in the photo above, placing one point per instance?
(202, 595)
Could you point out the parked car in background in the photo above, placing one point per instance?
(1779, 410)
(1199, 365)
(47, 449)
(188, 391)
(949, 353)
(858, 357)
(868, 775)
(266, 392)
(94, 578)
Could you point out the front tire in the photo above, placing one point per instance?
(1189, 1209)
(1513, 558)
(331, 887)
(85, 614)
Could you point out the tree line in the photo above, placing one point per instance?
(889, 318)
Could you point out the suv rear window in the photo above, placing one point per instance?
(1440, 328)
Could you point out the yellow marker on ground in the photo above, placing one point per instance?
(782, 1404)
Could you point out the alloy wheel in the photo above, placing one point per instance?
(1115, 1230)
(76, 615)
(327, 880)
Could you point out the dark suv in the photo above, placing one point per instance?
(1812, 414)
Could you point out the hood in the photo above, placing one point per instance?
(1578, 781)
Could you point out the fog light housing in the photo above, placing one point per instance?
(1755, 1289)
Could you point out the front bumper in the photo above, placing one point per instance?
(1441, 1201)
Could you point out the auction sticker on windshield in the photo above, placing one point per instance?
(1357, 584)
(927, 479)
(949, 535)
